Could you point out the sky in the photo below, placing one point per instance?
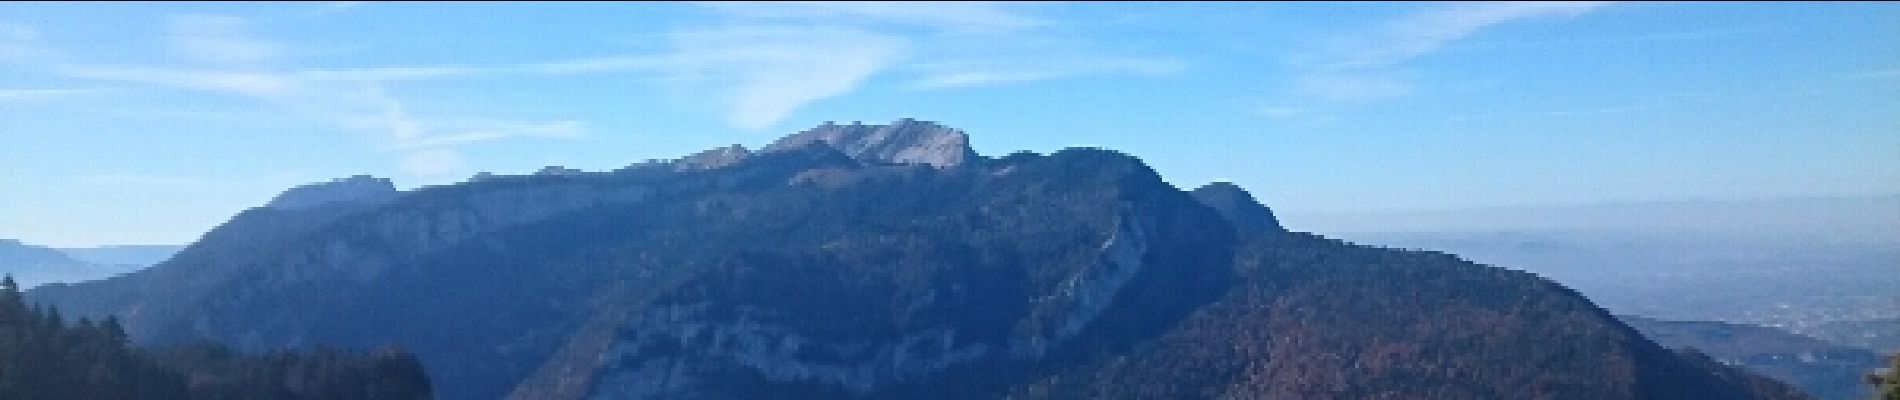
(137, 123)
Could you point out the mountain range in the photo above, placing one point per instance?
(880, 261)
(32, 265)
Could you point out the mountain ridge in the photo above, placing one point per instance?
(878, 262)
(32, 265)
(355, 189)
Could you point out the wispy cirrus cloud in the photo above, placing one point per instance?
(1369, 66)
(1426, 33)
(971, 17)
(278, 180)
(261, 85)
(776, 70)
(763, 61)
(11, 32)
(220, 39)
(147, 180)
(996, 71)
(236, 62)
(482, 131)
(337, 6)
(20, 43)
(756, 64)
(20, 95)
(760, 74)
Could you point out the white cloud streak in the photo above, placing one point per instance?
(483, 131)
(20, 43)
(761, 64)
(975, 73)
(192, 182)
(146, 180)
(19, 95)
(1368, 68)
(336, 6)
(775, 71)
(770, 59)
(357, 99)
(758, 65)
(973, 17)
(1427, 33)
(220, 39)
(10, 32)
(759, 74)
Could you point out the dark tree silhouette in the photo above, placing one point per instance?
(41, 357)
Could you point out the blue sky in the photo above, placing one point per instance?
(134, 123)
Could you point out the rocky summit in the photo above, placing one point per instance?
(362, 189)
(906, 141)
(881, 262)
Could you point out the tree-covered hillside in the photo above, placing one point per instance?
(43, 357)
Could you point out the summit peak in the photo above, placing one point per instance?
(1238, 207)
(355, 189)
(905, 141)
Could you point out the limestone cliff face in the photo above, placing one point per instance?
(905, 141)
(363, 189)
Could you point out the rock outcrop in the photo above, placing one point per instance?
(906, 141)
(361, 189)
(711, 159)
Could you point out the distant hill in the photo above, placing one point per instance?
(33, 265)
(14, 254)
(881, 261)
(45, 356)
(136, 256)
(1823, 369)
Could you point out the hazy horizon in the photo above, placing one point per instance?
(1880, 222)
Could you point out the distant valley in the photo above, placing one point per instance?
(1826, 370)
(1798, 283)
(1781, 275)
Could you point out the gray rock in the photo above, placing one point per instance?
(906, 141)
(363, 189)
(556, 170)
(712, 159)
